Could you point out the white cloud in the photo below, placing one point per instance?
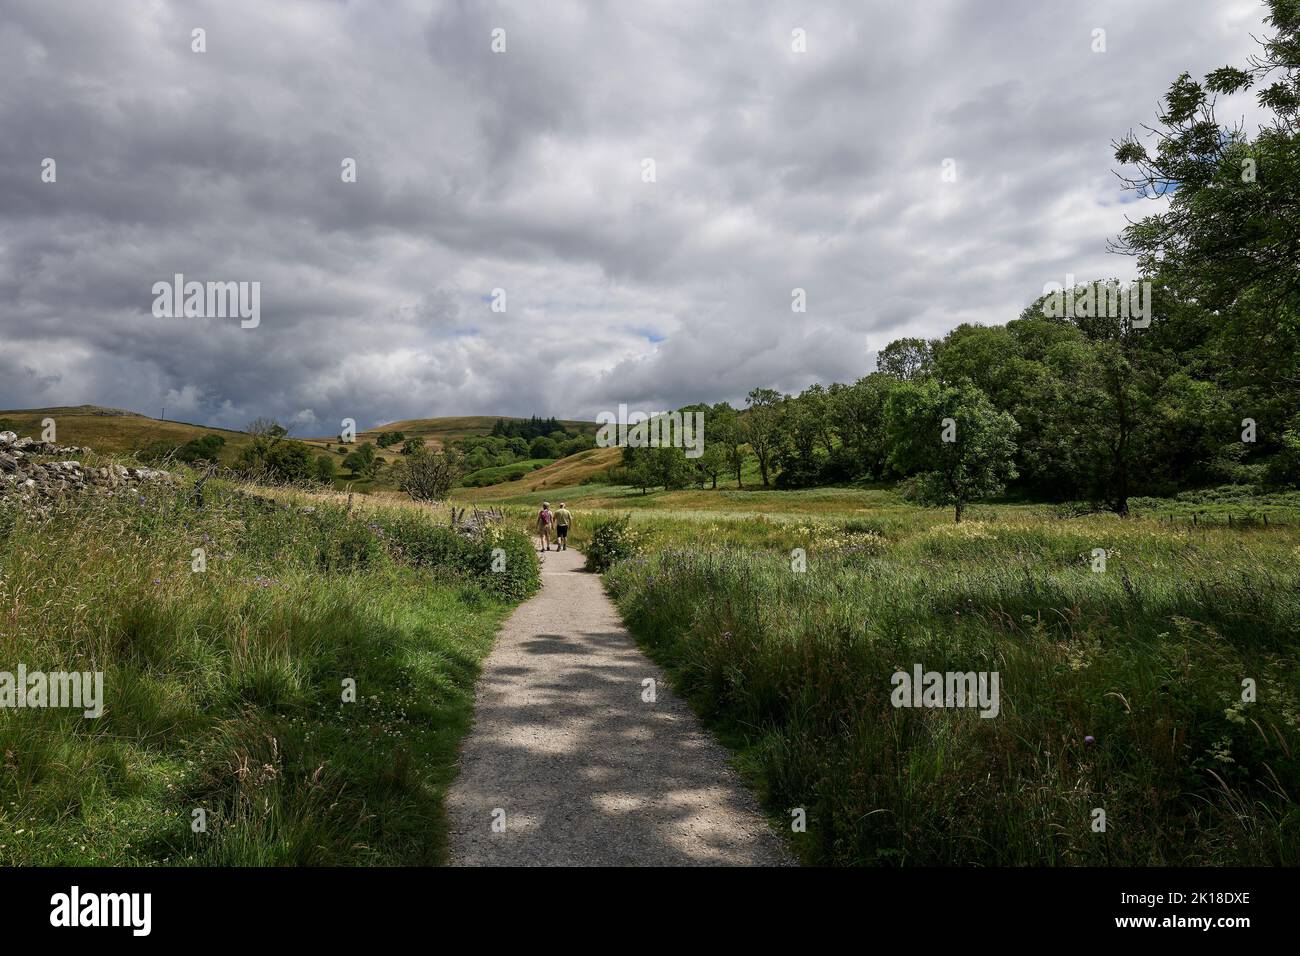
(522, 171)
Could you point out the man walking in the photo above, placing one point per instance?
(563, 518)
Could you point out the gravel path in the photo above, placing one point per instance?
(586, 772)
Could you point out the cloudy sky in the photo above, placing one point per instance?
(523, 170)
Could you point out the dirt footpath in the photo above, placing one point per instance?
(568, 766)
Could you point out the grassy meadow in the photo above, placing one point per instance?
(225, 687)
(1120, 689)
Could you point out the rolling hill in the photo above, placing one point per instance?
(565, 473)
(438, 430)
(115, 431)
(435, 432)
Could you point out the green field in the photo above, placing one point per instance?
(781, 616)
(225, 688)
(1147, 658)
(500, 473)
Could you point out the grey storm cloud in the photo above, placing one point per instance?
(522, 171)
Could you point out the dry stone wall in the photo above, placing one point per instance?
(26, 475)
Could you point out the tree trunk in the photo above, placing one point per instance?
(960, 507)
(1120, 478)
(1120, 474)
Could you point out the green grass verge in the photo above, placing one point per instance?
(225, 688)
(1147, 659)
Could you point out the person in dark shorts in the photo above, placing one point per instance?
(563, 518)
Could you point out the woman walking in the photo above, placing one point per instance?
(545, 521)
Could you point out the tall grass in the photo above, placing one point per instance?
(224, 688)
(1147, 659)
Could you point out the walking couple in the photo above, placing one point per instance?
(554, 522)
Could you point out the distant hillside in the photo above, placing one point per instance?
(435, 432)
(565, 473)
(114, 431)
(438, 430)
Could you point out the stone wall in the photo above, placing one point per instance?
(24, 478)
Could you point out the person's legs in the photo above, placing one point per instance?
(562, 537)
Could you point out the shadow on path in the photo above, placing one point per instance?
(582, 770)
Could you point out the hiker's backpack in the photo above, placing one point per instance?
(544, 516)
